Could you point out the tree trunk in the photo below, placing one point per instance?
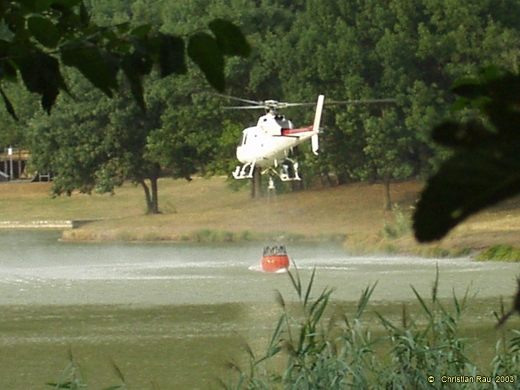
(154, 177)
(296, 185)
(256, 184)
(147, 195)
(152, 197)
(387, 201)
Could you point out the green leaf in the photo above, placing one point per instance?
(84, 15)
(229, 38)
(471, 134)
(8, 105)
(68, 4)
(41, 74)
(171, 55)
(470, 181)
(132, 67)
(44, 31)
(16, 24)
(42, 5)
(28, 5)
(95, 64)
(123, 28)
(9, 71)
(468, 90)
(141, 31)
(204, 50)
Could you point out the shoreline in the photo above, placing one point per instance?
(358, 244)
(207, 210)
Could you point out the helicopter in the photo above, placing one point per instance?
(268, 145)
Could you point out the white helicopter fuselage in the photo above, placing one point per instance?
(270, 141)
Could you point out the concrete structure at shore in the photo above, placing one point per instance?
(44, 224)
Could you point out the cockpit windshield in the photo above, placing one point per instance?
(283, 122)
(244, 139)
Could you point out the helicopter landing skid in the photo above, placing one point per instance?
(244, 172)
(287, 170)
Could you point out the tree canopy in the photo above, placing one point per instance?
(408, 50)
(91, 146)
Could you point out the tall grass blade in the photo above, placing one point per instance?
(387, 324)
(319, 307)
(421, 301)
(279, 299)
(404, 317)
(321, 301)
(59, 385)
(435, 287)
(363, 301)
(249, 351)
(309, 288)
(274, 344)
(296, 282)
(117, 371)
(514, 344)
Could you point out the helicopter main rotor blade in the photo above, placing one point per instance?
(361, 101)
(283, 105)
(238, 99)
(269, 105)
(245, 107)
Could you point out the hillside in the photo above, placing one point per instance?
(206, 209)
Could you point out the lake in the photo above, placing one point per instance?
(171, 315)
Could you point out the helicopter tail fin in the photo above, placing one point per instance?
(316, 124)
(315, 144)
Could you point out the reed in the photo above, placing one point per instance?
(426, 350)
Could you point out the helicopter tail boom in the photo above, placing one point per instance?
(316, 124)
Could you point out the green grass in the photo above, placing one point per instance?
(500, 252)
(202, 204)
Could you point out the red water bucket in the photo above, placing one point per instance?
(274, 263)
(275, 259)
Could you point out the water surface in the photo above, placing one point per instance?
(173, 314)
(35, 268)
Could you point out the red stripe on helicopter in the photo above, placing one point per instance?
(296, 131)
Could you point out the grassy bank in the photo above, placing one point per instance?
(207, 210)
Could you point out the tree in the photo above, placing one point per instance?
(38, 38)
(14, 133)
(408, 50)
(96, 143)
(387, 146)
(485, 165)
(91, 147)
(484, 169)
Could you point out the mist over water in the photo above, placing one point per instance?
(36, 268)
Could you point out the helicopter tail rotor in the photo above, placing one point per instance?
(316, 124)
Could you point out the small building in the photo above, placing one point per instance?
(13, 163)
